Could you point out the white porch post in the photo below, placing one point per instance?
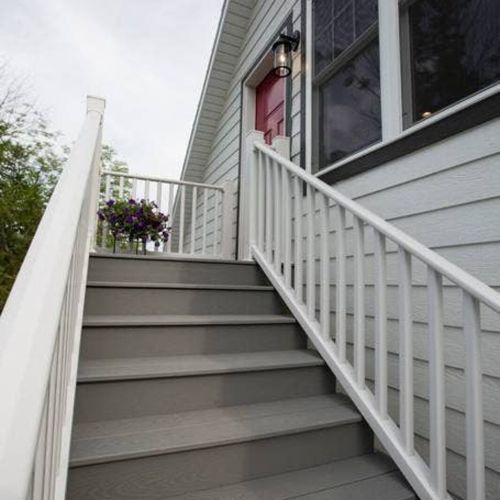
(390, 69)
(247, 194)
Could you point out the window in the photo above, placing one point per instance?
(346, 78)
(450, 49)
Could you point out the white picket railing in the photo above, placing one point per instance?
(200, 214)
(40, 330)
(281, 194)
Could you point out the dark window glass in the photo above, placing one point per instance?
(337, 25)
(455, 49)
(350, 107)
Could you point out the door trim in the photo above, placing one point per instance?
(258, 70)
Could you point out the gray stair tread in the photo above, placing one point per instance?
(187, 365)
(176, 286)
(145, 436)
(174, 258)
(366, 477)
(189, 319)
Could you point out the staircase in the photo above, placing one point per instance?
(195, 382)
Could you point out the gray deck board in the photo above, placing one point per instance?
(188, 365)
(148, 436)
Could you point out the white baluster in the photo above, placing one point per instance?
(181, 219)
(324, 266)
(261, 203)
(204, 230)
(436, 383)
(269, 211)
(311, 280)
(277, 215)
(380, 324)
(170, 214)
(359, 302)
(299, 292)
(405, 352)
(340, 313)
(146, 190)
(216, 220)
(287, 223)
(193, 218)
(474, 399)
(120, 191)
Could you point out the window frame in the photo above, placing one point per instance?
(356, 48)
(393, 102)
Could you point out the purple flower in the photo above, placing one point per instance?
(132, 202)
(110, 203)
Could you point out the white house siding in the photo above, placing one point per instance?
(447, 196)
(223, 160)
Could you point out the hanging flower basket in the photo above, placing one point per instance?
(135, 222)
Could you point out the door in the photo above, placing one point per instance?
(270, 107)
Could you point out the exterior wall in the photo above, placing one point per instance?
(223, 162)
(447, 196)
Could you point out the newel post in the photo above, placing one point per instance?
(281, 145)
(248, 195)
(95, 105)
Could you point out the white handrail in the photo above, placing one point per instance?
(270, 176)
(190, 235)
(40, 330)
(164, 180)
(463, 279)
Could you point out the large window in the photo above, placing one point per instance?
(450, 49)
(346, 78)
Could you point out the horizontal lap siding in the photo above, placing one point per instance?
(447, 196)
(224, 157)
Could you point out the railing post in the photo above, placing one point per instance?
(247, 194)
(227, 219)
(281, 145)
(95, 105)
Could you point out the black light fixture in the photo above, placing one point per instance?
(282, 51)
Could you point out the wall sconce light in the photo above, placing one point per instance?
(282, 51)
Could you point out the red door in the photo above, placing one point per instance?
(270, 107)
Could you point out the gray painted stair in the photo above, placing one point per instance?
(195, 383)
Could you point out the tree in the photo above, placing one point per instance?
(30, 162)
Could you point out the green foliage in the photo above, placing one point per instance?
(111, 163)
(30, 163)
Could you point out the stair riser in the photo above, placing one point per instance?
(163, 271)
(123, 342)
(135, 398)
(143, 301)
(156, 477)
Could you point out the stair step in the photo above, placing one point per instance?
(117, 298)
(132, 387)
(189, 319)
(170, 269)
(177, 286)
(182, 366)
(161, 434)
(117, 337)
(367, 477)
(175, 454)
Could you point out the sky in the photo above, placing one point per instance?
(147, 58)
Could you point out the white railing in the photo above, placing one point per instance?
(40, 330)
(200, 214)
(281, 195)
